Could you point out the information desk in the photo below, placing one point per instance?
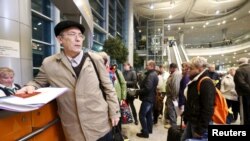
(39, 125)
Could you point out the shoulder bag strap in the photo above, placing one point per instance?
(98, 76)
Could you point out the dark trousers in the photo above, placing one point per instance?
(246, 109)
(107, 137)
(132, 106)
(235, 107)
(146, 117)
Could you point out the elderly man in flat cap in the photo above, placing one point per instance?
(87, 112)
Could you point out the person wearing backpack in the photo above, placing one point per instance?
(199, 108)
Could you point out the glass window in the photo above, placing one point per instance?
(97, 7)
(42, 6)
(41, 29)
(41, 33)
(40, 51)
(98, 36)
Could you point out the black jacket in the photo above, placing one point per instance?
(242, 80)
(199, 108)
(131, 78)
(148, 86)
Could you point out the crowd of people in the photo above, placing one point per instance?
(91, 106)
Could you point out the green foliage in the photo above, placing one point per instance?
(116, 49)
(138, 61)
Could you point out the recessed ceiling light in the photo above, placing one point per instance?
(218, 23)
(234, 18)
(207, 23)
(179, 28)
(224, 22)
(151, 6)
(217, 12)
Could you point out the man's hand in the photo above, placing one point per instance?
(26, 89)
(115, 121)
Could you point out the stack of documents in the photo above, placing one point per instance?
(24, 104)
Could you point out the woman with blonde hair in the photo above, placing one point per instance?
(7, 85)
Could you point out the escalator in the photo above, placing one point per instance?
(182, 53)
(177, 55)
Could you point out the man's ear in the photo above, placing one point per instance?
(59, 39)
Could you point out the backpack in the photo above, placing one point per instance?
(220, 105)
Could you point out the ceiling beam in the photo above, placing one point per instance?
(190, 7)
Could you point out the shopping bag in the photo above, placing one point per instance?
(126, 113)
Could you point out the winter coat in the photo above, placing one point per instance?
(173, 85)
(147, 90)
(242, 80)
(227, 88)
(199, 108)
(120, 85)
(85, 114)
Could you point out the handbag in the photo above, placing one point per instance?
(126, 114)
(117, 135)
(131, 92)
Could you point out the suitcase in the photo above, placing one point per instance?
(175, 132)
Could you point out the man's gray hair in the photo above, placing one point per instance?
(199, 62)
(243, 60)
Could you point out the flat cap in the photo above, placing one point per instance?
(67, 24)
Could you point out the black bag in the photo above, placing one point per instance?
(175, 132)
(117, 135)
(131, 92)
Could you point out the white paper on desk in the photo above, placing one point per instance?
(18, 108)
(14, 103)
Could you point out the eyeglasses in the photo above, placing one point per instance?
(72, 34)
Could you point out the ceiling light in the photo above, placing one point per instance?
(139, 31)
(172, 3)
(151, 6)
(245, 50)
(170, 16)
(192, 27)
(204, 26)
(179, 28)
(235, 18)
(249, 11)
(218, 23)
(207, 23)
(224, 22)
(217, 12)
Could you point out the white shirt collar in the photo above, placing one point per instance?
(77, 60)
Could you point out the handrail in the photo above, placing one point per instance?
(177, 56)
(38, 131)
(184, 52)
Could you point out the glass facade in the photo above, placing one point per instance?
(41, 32)
(114, 17)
